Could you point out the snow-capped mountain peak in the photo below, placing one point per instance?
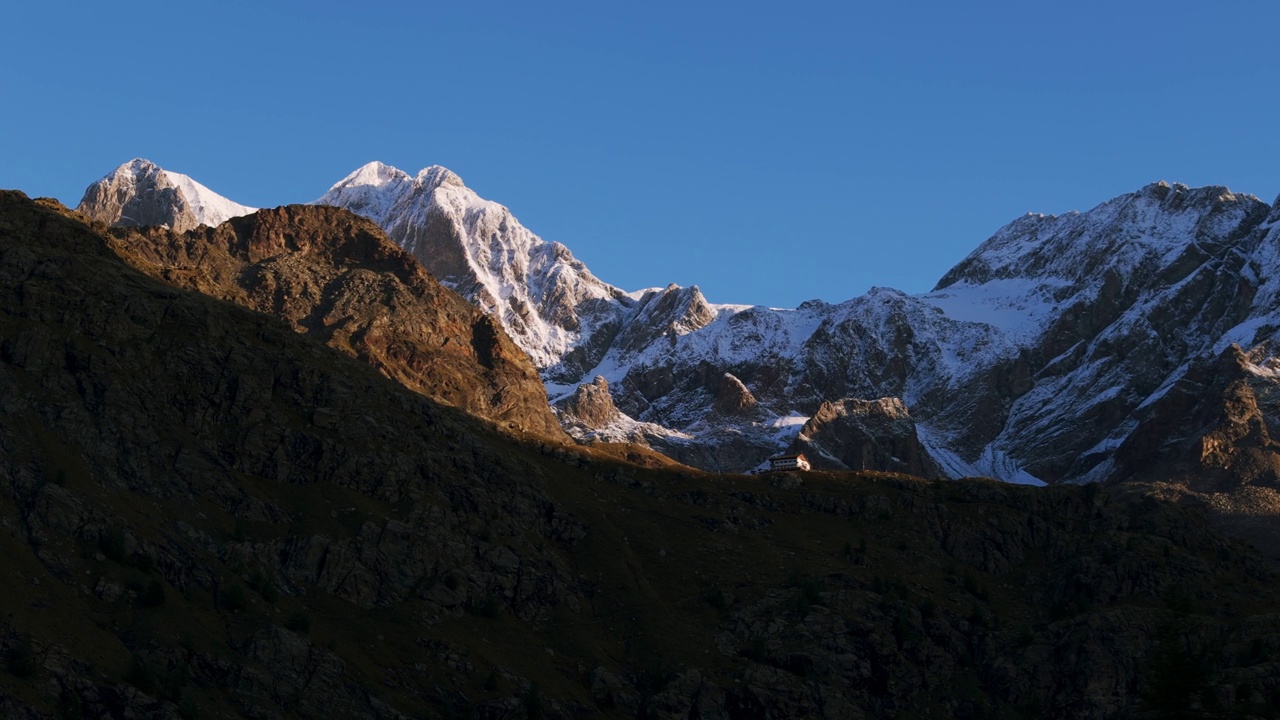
(140, 192)
(374, 174)
(137, 167)
(1135, 230)
(478, 248)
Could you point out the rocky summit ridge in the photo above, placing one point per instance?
(1032, 360)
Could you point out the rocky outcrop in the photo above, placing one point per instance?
(336, 277)
(854, 434)
(1208, 439)
(733, 398)
(590, 416)
(591, 405)
(1208, 429)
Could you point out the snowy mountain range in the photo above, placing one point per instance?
(1044, 356)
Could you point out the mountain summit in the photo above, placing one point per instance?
(140, 193)
(536, 288)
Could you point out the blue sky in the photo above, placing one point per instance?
(769, 153)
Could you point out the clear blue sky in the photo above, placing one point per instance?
(769, 153)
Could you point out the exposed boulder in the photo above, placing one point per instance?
(591, 405)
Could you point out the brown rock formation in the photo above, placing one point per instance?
(591, 405)
(336, 277)
(853, 434)
(1209, 441)
(1208, 431)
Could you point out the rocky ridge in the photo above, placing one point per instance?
(856, 434)
(336, 277)
(1031, 361)
(171, 454)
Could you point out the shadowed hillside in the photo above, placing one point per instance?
(209, 514)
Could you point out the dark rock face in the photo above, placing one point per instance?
(732, 397)
(857, 434)
(1209, 429)
(1209, 439)
(336, 277)
(724, 449)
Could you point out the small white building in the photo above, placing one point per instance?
(789, 462)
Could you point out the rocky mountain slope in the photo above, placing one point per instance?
(337, 278)
(548, 300)
(207, 513)
(1033, 360)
